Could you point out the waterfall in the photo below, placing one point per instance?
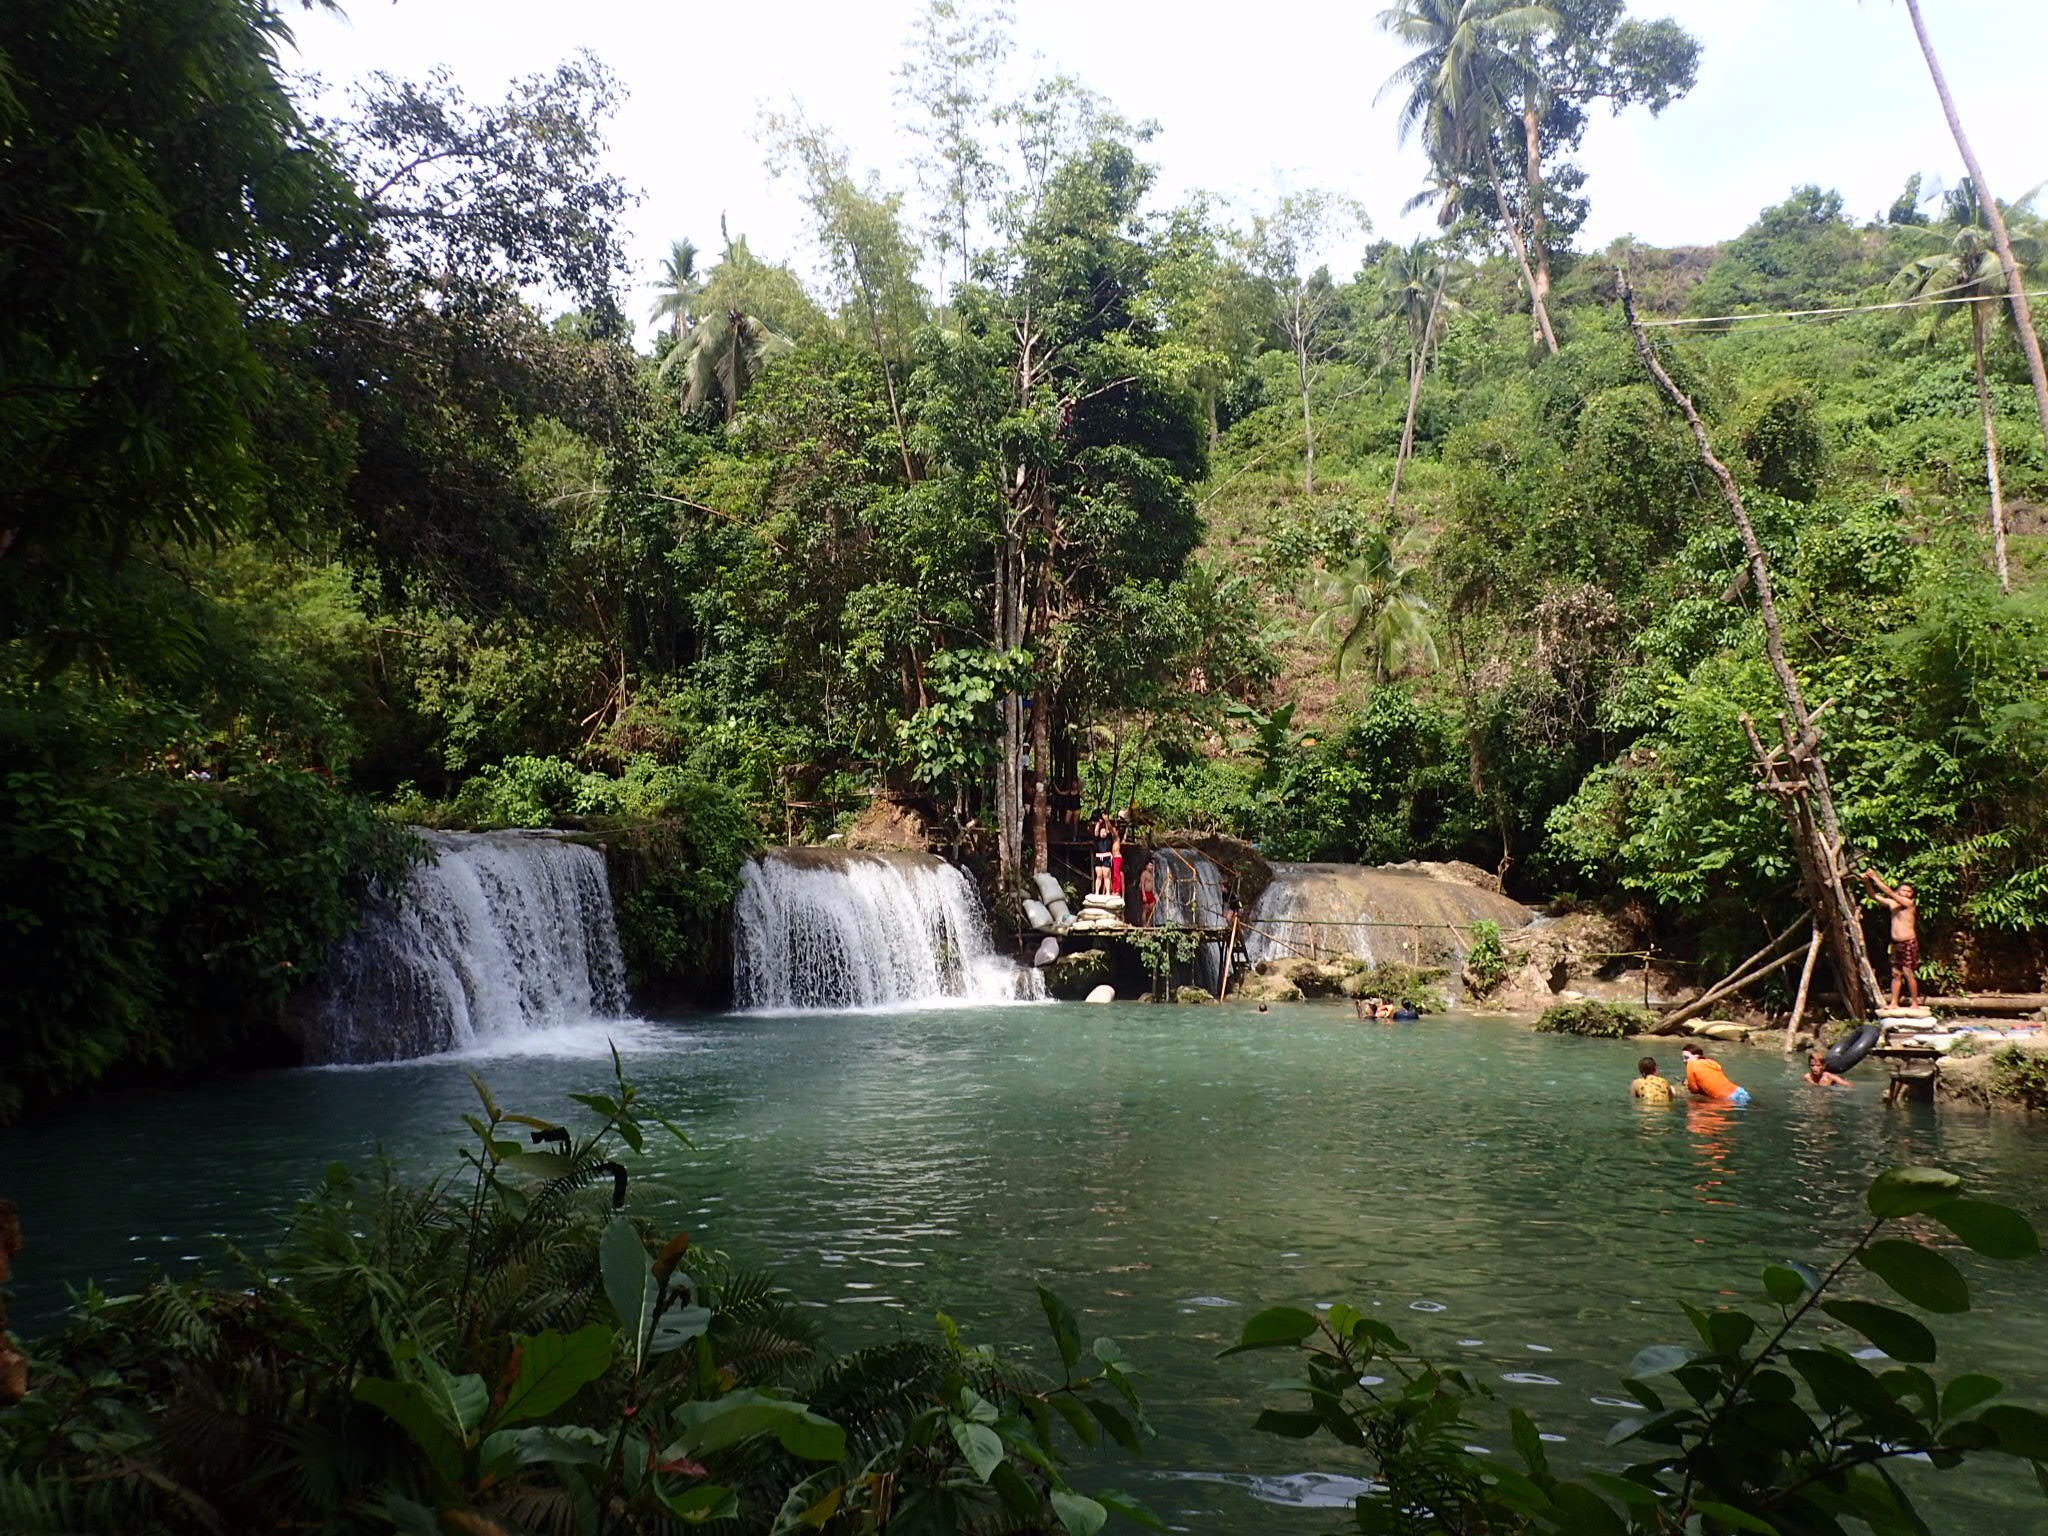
(503, 933)
(1415, 914)
(1190, 887)
(822, 928)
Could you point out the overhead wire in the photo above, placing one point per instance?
(1829, 313)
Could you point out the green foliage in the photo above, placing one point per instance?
(1601, 1021)
(155, 922)
(1486, 961)
(1416, 986)
(1781, 436)
(2021, 1076)
(506, 1348)
(1163, 951)
(1762, 1424)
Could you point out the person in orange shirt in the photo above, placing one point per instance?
(1705, 1079)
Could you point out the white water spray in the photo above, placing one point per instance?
(821, 928)
(504, 934)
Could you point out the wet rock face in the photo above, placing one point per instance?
(1582, 956)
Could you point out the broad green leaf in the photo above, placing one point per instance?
(1899, 1335)
(1081, 1516)
(560, 1444)
(700, 1503)
(1784, 1284)
(462, 1401)
(1624, 1489)
(677, 1326)
(1274, 1327)
(982, 1446)
(722, 1421)
(1120, 1428)
(1732, 1519)
(1077, 1418)
(1586, 1513)
(629, 1285)
(1967, 1392)
(1018, 1496)
(1838, 1382)
(1995, 1231)
(1118, 1502)
(2020, 1431)
(1904, 1191)
(1919, 1274)
(552, 1369)
(406, 1404)
(542, 1165)
(1066, 1331)
(1658, 1360)
(1528, 1443)
(1295, 1425)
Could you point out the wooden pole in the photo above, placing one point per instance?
(1728, 989)
(1805, 982)
(1229, 954)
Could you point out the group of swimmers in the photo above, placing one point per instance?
(1385, 1011)
(1706, 1078)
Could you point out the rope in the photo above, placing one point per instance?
(1843, 309)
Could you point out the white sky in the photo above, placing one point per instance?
(1251, 100)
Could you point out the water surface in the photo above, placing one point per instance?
(1492, 1193)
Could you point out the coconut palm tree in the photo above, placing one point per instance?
(1472, 61)
(677, 289)
(1969, 270)
(1375, 605)
(1422, 291)
(722, 358)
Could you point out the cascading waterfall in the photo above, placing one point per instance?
(502, 934)
(823, 928)
(1413, 914)
(1190, 887)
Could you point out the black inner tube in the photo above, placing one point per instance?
(1846, 1053)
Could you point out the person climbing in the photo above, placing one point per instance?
(1705, 1079)
(1817, 1072)
(1148, 895)
(1905, 933)
(1648, 1086)
(1105, 852)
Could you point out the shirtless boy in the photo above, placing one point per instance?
(1905, 933)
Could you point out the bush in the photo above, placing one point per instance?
(1415, 985)
(2021, 1076)
(1602, 1021)
(1486, 962)
(156, 923)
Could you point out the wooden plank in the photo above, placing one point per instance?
(1990, 1002)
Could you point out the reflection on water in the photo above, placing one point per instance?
(1493, 1194)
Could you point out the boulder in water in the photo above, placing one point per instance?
(1193, 995)
(1103, 994)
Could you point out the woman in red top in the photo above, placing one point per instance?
(1705, 1079)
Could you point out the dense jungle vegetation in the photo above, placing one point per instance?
(342, 496)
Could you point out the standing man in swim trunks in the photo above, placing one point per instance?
(1905, 933)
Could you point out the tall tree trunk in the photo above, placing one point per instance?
(1990, 452)
(1829, 895)
(1511, 220)
(1209, 405)
(1415, 369)
(1539, 224)
(1308, 421)
(889, 384)
(2015, 289)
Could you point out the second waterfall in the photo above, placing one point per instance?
(822, 928)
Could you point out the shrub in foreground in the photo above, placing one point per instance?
(1604, 1021)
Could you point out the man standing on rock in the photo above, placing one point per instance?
(1905, 933)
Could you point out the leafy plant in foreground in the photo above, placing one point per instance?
(1604, 1021)
(508, 1352)
(1795, 1435)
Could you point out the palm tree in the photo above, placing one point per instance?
(1376, 599)
(2015, 290)
(1419, 292)
(1471, 64)
(678, 287)
(1969, 270)
(722, 358)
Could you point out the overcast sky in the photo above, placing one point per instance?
(1251, 100)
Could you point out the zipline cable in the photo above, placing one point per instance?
(1844, 309)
